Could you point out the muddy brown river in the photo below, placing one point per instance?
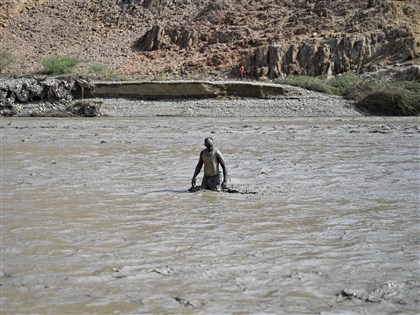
(96, 217)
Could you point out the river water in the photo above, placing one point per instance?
(96, 217)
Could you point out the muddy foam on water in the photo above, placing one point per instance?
(97, 218)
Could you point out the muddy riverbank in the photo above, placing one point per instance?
(96, 217)
(67, 97)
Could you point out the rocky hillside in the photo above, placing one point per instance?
(211, 38)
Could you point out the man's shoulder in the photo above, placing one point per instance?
(218, 153)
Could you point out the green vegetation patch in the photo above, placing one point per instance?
(391, 99)
(60, 64)
(379, 97)
(317, 84)
(7, 58)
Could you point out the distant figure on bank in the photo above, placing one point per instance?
(212, 160)
(242, 71)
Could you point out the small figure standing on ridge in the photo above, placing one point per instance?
(242, 71)
(211, 158)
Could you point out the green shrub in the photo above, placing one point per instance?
(393, 101)
(310, 83)
(7, 57)
(60, 64)
(396, 98)
(413, 86)
(344, 84)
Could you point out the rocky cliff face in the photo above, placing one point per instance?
(190, 38)
(330, 56)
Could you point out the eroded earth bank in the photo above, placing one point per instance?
(69, 97)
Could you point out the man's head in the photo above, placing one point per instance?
(208, 143)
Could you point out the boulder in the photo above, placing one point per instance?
(151, 40)
(183, 37)
(85, 108)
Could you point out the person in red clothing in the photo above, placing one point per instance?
(242, 71)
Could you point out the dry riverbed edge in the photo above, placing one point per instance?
(310, 105)
(297, 102)
(319, 106)
(65, 97)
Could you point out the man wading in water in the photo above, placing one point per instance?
(211, 158)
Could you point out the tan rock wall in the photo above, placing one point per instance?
(331, 56)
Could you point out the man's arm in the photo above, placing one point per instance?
(197, 171)
(222, 163)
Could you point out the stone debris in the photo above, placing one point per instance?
(45, 96)
(183, 301)
(388, 291)
(164, 271)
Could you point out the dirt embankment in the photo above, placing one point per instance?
(46, 96)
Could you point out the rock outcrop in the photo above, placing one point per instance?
(331, 56)
(151, 40)
(159, 37)
(46, 96)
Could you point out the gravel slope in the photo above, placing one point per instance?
(308, 104)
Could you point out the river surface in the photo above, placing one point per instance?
(96, 217)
